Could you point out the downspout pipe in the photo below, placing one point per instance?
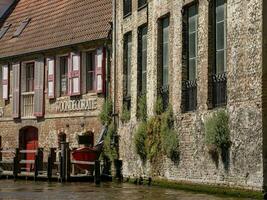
(114, 52)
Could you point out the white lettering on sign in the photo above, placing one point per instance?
(76, 105)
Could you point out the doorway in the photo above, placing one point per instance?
(28, 140)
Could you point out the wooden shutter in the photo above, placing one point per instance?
(74, 74)
(100, 63)
(16, 90)
(5, 82)
(39, 88)
(50, 78)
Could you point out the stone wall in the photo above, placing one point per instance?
(244, 89)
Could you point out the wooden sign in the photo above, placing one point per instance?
(76, 105)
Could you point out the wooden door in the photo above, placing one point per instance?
(29, 141)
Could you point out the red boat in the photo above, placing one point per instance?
(89, 154)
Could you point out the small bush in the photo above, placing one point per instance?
(170, 144)
(126, 114)
(140, 141)
(169, 139)
(142, 108)
(217, 133)
(106, 112)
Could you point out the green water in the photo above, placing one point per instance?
(28, 190)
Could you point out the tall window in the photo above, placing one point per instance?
(90, 69)
(142, 60)
(29, 77)
(127, 7)
(127, 69)
(64, 75)
(142, 3)
(163, 74)
(219, 77)
(190, 52)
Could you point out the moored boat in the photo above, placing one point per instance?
(85, 155)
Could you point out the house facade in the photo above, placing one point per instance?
(199, 57)
(54, 59)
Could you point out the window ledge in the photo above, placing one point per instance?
(127, 15)
(30, 117)
(27, 93)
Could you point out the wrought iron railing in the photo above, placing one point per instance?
(127, 102)
(164, 92)
(190, 92)
(28, 104)
(219, 89)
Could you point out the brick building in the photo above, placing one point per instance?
(199, 56)
(54, 58)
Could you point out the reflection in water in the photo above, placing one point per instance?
(22, 190)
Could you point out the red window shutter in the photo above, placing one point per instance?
(39, 88)
(5, 82)
(50, 78)
(100, 63)
(74, 74)
(16, 90)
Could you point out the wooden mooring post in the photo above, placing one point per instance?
(16, 164)
(65, 162)
(1, 157)
(50, 163)
(97, 172)
(38, 162)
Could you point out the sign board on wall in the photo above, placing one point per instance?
(76, 105)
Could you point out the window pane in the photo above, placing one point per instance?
(220, 36)
(90, 71)
(144, 82)
(165, 76)
(29, 77)
(192, 11)
(64, 75)
(219, 10)
(220, 62)
(192, 45)
(165, 51)
(192, 69)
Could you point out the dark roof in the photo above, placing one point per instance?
(55, 23)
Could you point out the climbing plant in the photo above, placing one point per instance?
(109, 149)
(157, 136)
(142, 108)
(217, 136)
(106, 112)
(217, 133)
(126, 114)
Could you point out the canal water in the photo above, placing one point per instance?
(23, 190)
